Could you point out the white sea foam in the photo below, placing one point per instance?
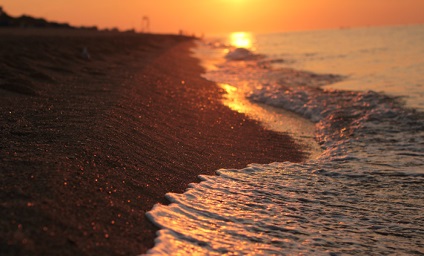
(373, 130)
(241, 54)
(285, 208)
(362, 195)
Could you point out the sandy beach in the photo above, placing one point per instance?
(96, 127)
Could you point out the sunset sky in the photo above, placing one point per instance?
(223, 16)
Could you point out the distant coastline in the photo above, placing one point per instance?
(26, 21)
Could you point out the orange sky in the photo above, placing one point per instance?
(223, 16)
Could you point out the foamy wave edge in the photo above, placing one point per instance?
(364, 134)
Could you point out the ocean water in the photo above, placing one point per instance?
(355, 99)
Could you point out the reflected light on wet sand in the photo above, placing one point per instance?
(271, 118)
(241, 40)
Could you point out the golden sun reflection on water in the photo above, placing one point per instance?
(232, 99)
(241, 40)
(271, 118)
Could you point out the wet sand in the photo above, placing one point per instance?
(91, 139)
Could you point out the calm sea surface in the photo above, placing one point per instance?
(388, 60)
(354, 98)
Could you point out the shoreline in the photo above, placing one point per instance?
(88, 145)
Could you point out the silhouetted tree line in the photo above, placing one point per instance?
(26, 21)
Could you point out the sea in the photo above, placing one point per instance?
(354, 99)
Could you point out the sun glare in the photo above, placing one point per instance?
(241, 40)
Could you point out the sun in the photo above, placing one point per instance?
(241, 40)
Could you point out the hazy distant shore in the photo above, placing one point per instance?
(26, 21)
(97, 126)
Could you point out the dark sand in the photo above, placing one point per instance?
(87, 146)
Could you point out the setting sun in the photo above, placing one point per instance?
(241, 40)
(223, 16)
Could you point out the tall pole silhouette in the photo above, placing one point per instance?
(145, 24)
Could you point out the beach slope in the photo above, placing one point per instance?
(95, 128)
